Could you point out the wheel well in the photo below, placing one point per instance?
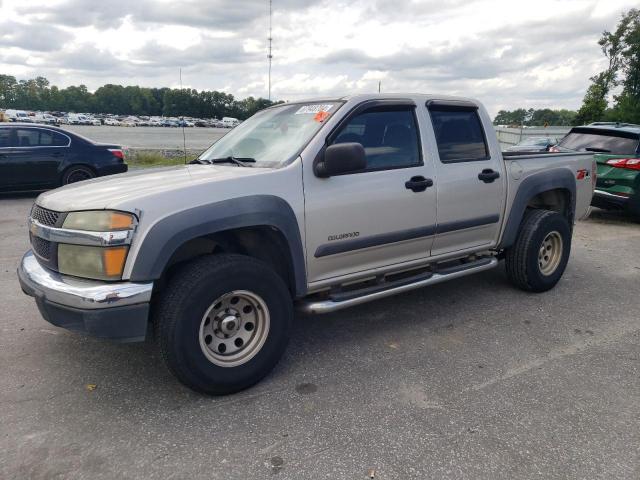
(557, 200)
(74, 165)
(264, 242)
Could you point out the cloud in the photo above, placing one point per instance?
(38, 38)
(507, 54)
(218, 14)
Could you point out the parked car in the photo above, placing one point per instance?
(45, 118)
(18, 116)
(38, 157)
(112, 122)
(533, 144)
(78, 119)
(230, 122)
(617, 153)
(227, 244)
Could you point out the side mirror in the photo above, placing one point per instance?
(341, 158)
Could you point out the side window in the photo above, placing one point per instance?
(459, 135)
(389, 137)
(27, 137)
(59, 140)
(33, 137)
(5, 137)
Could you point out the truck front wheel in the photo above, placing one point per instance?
(223, 323)
(539, 256)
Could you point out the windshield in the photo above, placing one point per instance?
(273, 136)
(605, 141)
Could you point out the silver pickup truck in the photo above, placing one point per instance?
(322, 204)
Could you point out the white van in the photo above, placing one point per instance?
(18, 116)
(45, 118)
(230, 122)
(78, 119)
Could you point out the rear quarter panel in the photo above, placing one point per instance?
(547, 166)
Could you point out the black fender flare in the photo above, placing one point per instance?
(167, 235)
(558, 178)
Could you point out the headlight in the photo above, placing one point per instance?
(99, 221)
(101, 252)
(100, 263)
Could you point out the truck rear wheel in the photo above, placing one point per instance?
(539, 256)
(223, 323)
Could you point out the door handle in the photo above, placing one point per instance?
(488, 176)
(57, 154)
(418, 184)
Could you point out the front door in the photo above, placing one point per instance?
(382, 216)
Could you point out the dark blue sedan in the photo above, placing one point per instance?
(39, 157)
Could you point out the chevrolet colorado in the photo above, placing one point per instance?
(323, 204)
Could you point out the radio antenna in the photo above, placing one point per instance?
(270, 39)
(184, 138)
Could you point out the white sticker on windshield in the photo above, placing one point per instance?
(315, 108)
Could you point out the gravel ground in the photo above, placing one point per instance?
(469, 379)
(196, 138)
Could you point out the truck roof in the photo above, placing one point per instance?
(417, 97)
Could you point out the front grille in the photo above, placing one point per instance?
(41, 247)
(44, 216)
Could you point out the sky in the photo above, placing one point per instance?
(508, 54)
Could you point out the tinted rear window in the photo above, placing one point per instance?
(459, 135)
(605, 141)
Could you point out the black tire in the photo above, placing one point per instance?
(77, 174)
(521, 260)
(189, 294)
(634, 205)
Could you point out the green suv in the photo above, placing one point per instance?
(617, 153)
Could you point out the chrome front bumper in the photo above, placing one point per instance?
(76, 292)
(109, 310)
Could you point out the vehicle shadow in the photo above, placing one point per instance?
(137, 370)
(598, 215)
(18, 195)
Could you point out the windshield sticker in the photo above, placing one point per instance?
(321, 116)
(315, 108)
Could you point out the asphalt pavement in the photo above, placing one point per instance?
(470, 379)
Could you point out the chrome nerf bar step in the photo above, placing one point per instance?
(356, 297)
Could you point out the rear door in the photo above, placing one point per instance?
(378, 217)
(37, 156)
(471, 185)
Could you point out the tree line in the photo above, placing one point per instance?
(622, 75)
(536, 117)
(39, 94)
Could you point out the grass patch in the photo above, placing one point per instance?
(144, 159)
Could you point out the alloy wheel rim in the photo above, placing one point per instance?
(234, 328)
(550, 253)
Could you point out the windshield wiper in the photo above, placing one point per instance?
(242, 162)
(596, 149)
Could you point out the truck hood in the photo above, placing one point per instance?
(116, 191)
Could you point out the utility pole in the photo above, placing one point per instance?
(269, 55)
